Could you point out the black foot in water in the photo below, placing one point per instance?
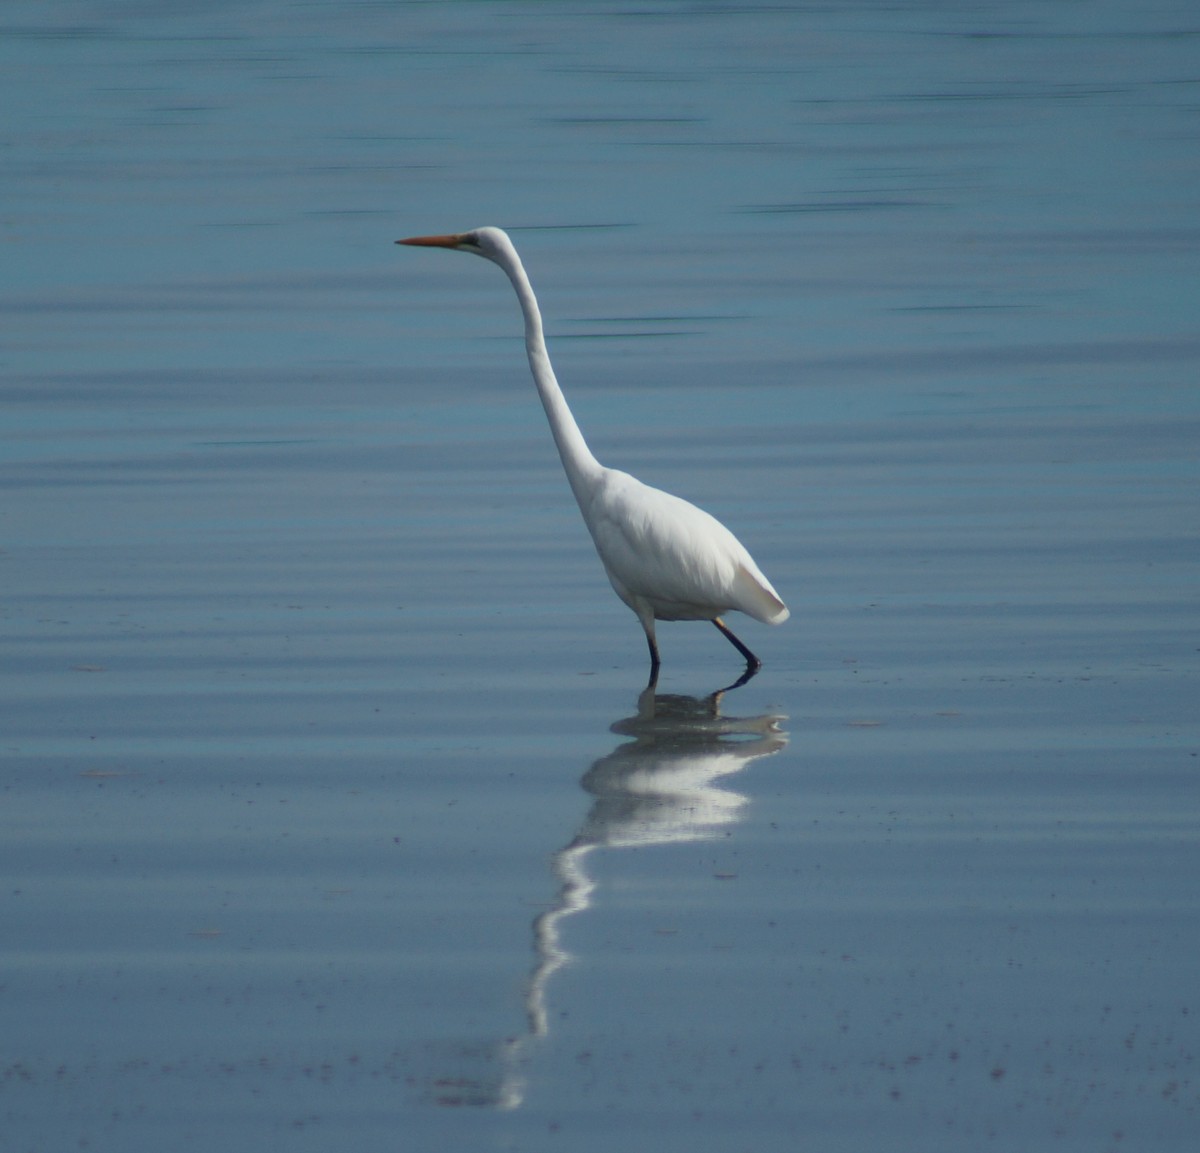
(753, 664)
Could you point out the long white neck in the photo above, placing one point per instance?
(581, 467)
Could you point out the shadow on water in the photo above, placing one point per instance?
(667, 785)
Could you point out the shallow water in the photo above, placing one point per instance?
(333, 813)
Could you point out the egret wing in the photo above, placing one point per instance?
(675, 556)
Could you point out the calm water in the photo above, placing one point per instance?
(333, 815)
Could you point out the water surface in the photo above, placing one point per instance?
(334, 813)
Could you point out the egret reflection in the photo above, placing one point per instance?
(668, 784)
(659, 788)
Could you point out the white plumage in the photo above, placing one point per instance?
(667, 559)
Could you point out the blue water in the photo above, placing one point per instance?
(333, 812)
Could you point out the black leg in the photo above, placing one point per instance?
(753, 664)
(654, 661)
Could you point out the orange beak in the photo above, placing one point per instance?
(434, 241)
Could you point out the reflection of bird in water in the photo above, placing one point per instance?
(659, 788)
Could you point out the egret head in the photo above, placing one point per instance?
(492, 243)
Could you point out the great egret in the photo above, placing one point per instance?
(667, 559)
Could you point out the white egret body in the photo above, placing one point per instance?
(667, 559)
